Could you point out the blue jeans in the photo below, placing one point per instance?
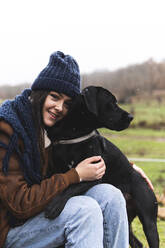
(96, 219)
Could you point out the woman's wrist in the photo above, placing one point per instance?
(77, 170)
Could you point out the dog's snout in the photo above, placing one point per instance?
(130, 117)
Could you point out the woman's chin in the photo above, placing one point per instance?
(49, 123)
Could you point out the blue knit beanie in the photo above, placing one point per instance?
(61, 74)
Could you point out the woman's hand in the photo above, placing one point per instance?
(90, 169)
(143, 175)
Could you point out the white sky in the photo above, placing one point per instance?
(100, 34)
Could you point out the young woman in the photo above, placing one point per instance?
(97, 219)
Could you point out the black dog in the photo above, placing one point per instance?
(75, 138)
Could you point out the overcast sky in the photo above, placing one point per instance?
(100, 34)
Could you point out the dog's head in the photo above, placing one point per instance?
(103, 105)
(94, 108)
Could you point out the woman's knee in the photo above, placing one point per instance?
(85, 221)
(114, 193)
(84, 206)
(107, 194)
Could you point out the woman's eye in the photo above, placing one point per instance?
(55, 97)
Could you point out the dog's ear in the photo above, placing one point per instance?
(90, 98)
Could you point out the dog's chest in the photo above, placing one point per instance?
(90, 149)
(67, 156)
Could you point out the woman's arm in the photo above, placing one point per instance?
(23, 201)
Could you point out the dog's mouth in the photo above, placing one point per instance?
(121, 124)
(121, 128)
(125, 122)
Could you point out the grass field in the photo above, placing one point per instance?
(144, 143)
(147, 114)
(141, 143)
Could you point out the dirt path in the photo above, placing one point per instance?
(160, 139)
(147, 159)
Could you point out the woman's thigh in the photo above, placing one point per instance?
(42, 232)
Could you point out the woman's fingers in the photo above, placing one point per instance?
(93, 159)
(100, 169)
(91, 168)
(143, 175)
(100, 174)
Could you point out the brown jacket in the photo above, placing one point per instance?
(16, 197)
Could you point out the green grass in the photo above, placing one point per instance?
(144, 143)
(149, 114)
(138, 231)
(142, 133)
(156, 172)
(138, 148)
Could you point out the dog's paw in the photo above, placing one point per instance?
(53, 211)
(54, 208)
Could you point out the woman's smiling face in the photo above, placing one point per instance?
(55, 107)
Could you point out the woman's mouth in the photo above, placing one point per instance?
(53, 115)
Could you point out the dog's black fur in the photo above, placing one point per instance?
(95, 108)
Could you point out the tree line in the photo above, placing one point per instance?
(139, 80)
(135, 81)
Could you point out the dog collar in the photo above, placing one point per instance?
(76, 140)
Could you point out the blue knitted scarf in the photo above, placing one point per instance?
(18, 114)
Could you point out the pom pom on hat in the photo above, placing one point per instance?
(61, 74)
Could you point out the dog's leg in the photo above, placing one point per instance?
(147, 207)
(133, 241)
(131, 212)
(150, 230)
(148, 218)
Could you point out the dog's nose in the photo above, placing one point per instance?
(130, 117)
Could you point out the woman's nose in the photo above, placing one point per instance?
(59, 106)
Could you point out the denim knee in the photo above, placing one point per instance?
(114, 195)
(85, 223)
(106, 194)
(86, 206)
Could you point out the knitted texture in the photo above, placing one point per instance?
(61, 74)
(18, 114)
